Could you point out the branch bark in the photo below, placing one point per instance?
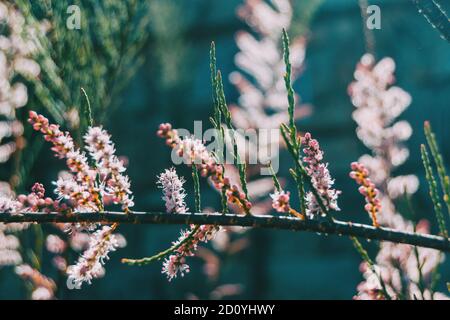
(260, 221)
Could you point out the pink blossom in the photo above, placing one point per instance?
(195, 153)
(280, 201)
(173, 191)
(55, 244)
(102, 150)
(90, 264)
(320, 176)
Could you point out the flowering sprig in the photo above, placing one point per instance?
(35, 201)
(378, 104)
(90, 263)
(320, 178)
(194, 152)
(186, 245)
(262, 100)
(9, 246)
(85, 190)
(368, 189)
(102, 150)
(81, 188)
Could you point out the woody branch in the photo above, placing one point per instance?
(260, 221)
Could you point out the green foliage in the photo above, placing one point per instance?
(241, 165)
(433, 190)
(294, 145)
(198, 203)
(439, 162)
(104, 53)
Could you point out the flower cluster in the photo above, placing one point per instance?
(102, 150)
(9, 243)
(173, 191)
(90, 264)
(17, 45)
(185, 246)
(85, 189)
(194, 152)
(36, 201)
(320, 177)
(43, 287)
(368, 189)
(33, 202)
(378, 104)
(80, 188)
(280, 202)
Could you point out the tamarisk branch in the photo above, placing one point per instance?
(260, 221)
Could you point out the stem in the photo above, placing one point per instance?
(260, 221)
(88, 110)
(198, 203)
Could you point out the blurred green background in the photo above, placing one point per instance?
(172, 85)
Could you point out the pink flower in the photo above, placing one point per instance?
(195, 153)
(55, 244)
(320, 176)
(280, 201)
(102, 150)
(174, 265)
